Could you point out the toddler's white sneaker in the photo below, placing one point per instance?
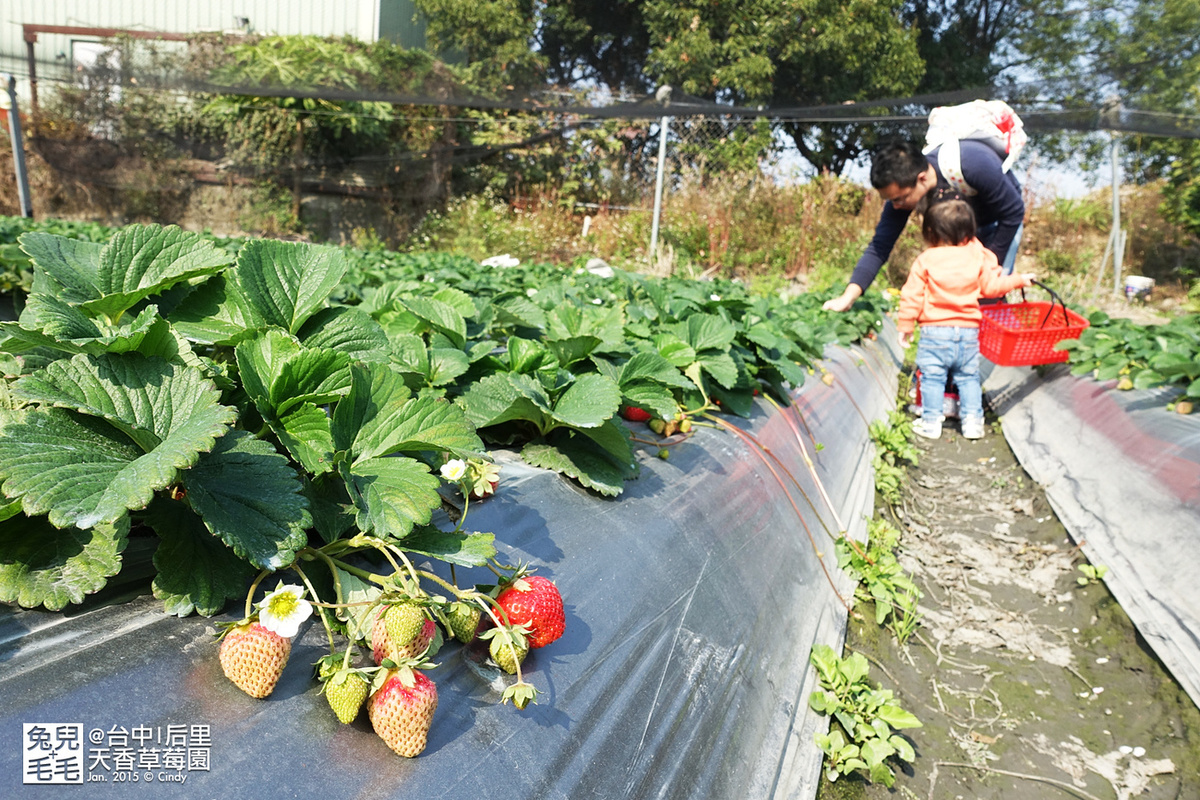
(972, 427)
(930, 430)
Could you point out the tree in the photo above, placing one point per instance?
(787, 54)
(1145, 53)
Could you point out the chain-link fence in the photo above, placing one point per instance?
(155, 129)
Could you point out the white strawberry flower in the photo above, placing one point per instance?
(454, 470)
(714, 297)
(283, 610)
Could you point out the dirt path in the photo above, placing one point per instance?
(1029, 685)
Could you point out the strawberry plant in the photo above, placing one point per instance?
(881, 579)
(221, 403)
(1139, 356)
(893, 447)
(866, 717)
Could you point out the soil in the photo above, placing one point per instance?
(1028, 684)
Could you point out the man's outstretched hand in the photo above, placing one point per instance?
(844, 300)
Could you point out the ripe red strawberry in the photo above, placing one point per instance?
(346, 691)
(401, 710)
(383, 647)
(635, 414)
(254, 657)
(534, 601)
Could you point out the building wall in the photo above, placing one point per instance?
(363, 19)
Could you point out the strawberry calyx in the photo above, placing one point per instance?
(403, 668)
(225, 628)
(521, 694)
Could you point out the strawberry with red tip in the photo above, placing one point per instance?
(534, 601)
(401, 708)
(635, 414)
(384, 646)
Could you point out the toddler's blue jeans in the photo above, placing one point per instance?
(945, 351)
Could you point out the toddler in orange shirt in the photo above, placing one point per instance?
(942, 296)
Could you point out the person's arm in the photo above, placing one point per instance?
(912, 299)
(887, 231)
(998, 196)
(994, 283)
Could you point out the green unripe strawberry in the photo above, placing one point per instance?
(403, 622)
(464, 620)
(506, 657)
(346, 691)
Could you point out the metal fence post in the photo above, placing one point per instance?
(18, 148)
(664, 123)
(1118, 235)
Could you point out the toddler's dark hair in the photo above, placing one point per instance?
(948, 222)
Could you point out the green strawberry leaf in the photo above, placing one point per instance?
(464, 549)
(706, 332)
(573, 350)
(346, 330)
(133, 423)
(196, 570)
(495, 399)
(721, 367)
(897, 717)
(392, 494)
(142, 260)
(216, 312)
(72, 265)
(379, 417)
(614, 440)
(519, 312)
(410, 355)
(577, 458)
(439, 316)
(674, 350)
(358, 614)
(249, 496)
(330, 506)
(651, 396)
(42, 565)
(306, 433)
(446, 365)
(588, 402)
(652, 366)
(285, 283)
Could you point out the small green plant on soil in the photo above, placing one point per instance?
(1091, 574)
(862, 736)
(894, 451)
(881, 579)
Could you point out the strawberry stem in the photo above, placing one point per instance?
(253, 588)
(320, 607)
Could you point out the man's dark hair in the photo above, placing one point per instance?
(900, 162)
(948, 222)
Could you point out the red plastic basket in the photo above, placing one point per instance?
(1024, 334)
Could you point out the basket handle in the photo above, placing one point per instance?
(1054, 298)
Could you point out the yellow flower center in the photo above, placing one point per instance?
(283, 606)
